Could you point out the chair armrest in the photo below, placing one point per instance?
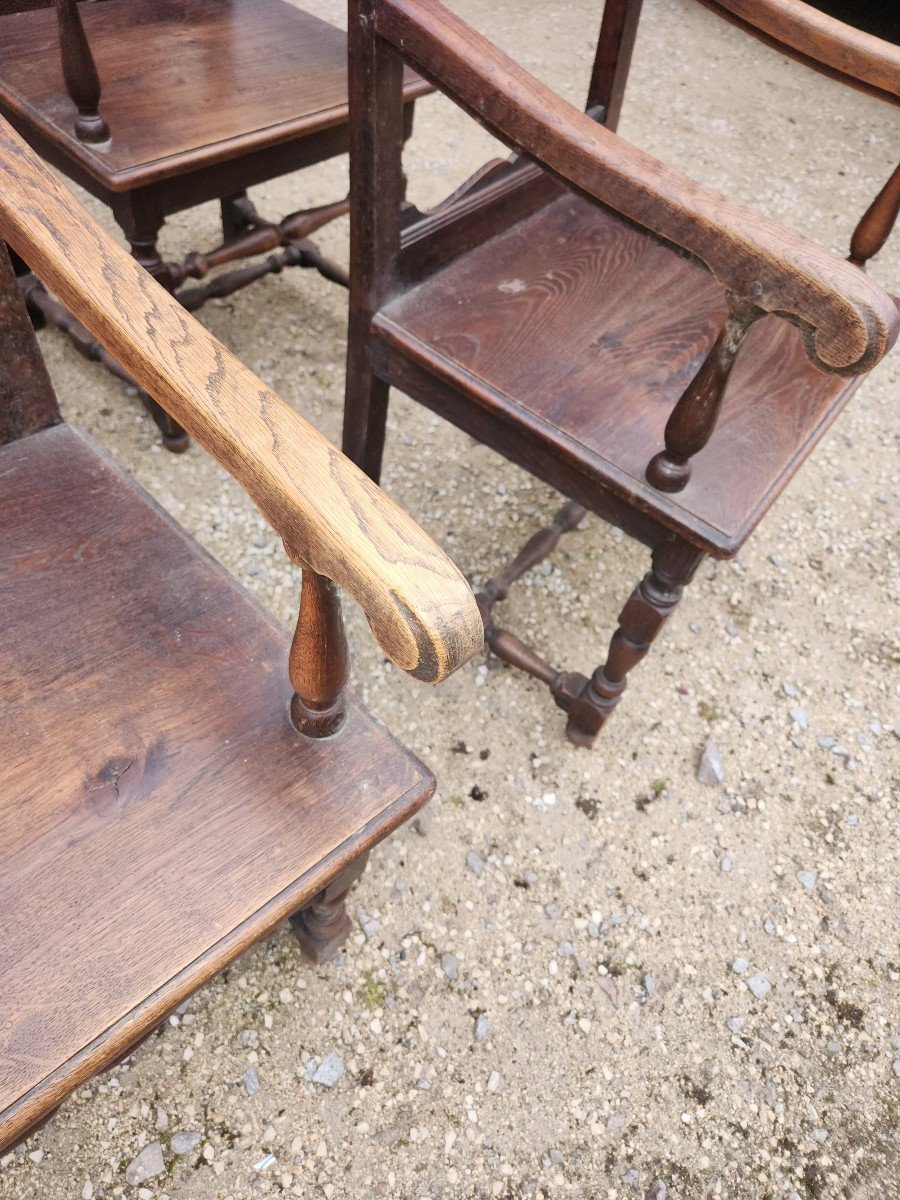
(329, 514)
(847, 321)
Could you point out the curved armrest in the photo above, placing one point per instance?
(818, 39)
(848, 322)
(329, 514)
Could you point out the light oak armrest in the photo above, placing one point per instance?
(329, 514)
(848, 322)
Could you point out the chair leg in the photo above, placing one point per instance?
(365, 414)
(647, 610)
(143, 242)
(324, 926)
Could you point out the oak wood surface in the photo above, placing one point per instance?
(158, 810)
(835, 47)
(848, 322)
(330, 515)
(215, 81)
(587, 333)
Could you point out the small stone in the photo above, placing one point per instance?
(482, 1028)
(895, 1067)
(735, 1024)
(649, 984)
(249, 1039)
(147, 1165)
(369, 925)
(493, 1083)
(593, 931)
(800, 717)
(186, 1141)
(330, 1070)
(725, 864)
(740, 965)
(251, 1081)
(807, 879)
(37, 1156)
(608, 986)
(819, 1135)
(450, 966)
(769, 925)
(825, 742)
(711, 770)
(565, 950)
(474, 863)
(87, 1192)
(789, 689)
(162, 1119)
(657, 1191)
(759, 986)
(530, 878)
(552, 910)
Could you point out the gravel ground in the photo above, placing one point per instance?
(579, 974)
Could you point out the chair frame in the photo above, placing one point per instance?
(141, 210)
(847, 321)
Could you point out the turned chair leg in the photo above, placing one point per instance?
(647, 610)
(324, 926)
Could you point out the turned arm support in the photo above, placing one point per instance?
(80, 73)
(848, 322)
(331, 516)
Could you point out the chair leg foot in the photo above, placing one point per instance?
(174, 438)
(323, 926)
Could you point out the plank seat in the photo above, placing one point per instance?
(575, 327)
(158, 811)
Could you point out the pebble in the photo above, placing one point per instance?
(895, 1067)
(800, 717)
(249, 1039)
(807, 879)
(474, 863)
(330, 1070)
(649, 984)
(735, 1024)
(251, 1081)
(825, 742)
(740, 965)
(369, 925)
(482, 1028)
(552, 910)
(450, 966)
(759, 986)
(184, 1142)
(711, 770)
(493, 1083)
(725, 864)
(565, 950)
(162, 1120)
(146, 1165)
(819, 1135)
(789, 689)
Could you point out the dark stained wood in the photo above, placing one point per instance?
(848, 322)
(613, 60)
(224, 79)
(591, 348)
(148, 858)
(664, 357)
(27, 402)
(80, 73)
(201, 99)
(323, 926)
(877, 222)
(319, 663)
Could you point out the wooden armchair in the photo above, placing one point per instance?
(156, 106)
(176, 779)
(663, 356)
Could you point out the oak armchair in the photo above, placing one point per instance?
(662, 355)
(156, 106)
(176, 777)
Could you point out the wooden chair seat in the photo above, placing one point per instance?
(158, 810)
(216, 81)
(582, 332)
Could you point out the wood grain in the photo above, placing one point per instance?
(847, 321)
(226, 79)
(584, 333)
(331, 516)
(158, 810)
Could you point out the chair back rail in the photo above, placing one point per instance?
(331, 516)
